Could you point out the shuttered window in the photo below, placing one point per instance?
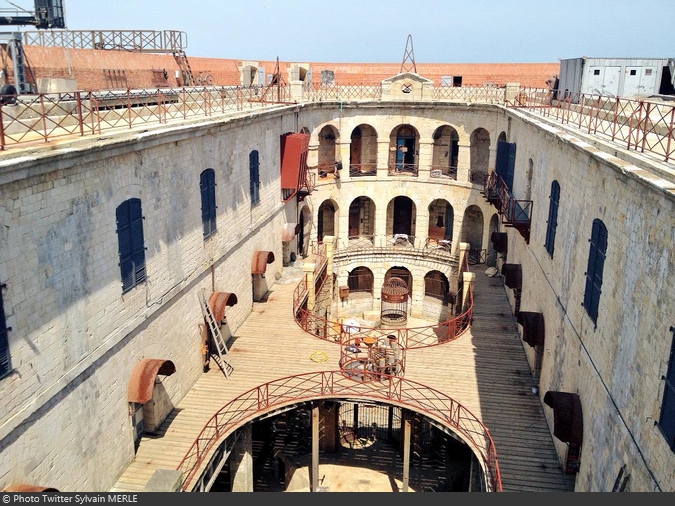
(207, 187)
(552, 223)
(254, 177)
(667, 419)
(5, 360)
(131, 243)
(505, 162)
(596, 263)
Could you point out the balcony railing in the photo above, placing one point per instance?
(403, 169)
(645, 125)
(514, 212)
(279, 393)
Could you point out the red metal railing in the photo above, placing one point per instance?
(336, 385)
(47, 117)
(646, 125)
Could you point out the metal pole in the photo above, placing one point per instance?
(406, 455)
(315, 449)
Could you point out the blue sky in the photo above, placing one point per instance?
(376, 31)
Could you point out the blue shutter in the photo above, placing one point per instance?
(254, 176)
(505, 162)
(596, 262)
(131, 243)
(511, 167)
(552, 223)
(137, 241)
(667, 418)
(124, 245)
(5, 362)
(207, 188)
(449, 222)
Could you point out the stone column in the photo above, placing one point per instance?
(165, 480)
(344, 148)
(463, 253)
(468, 280)
(425, 158)
(241, 461)
(383, 158)
(308, 269)
(297, 90)
(464, 163)
(511, 92)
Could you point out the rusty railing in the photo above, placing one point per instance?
(337, 384)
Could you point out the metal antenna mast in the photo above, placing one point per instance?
(408, 64)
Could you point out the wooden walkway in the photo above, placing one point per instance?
(485, 370)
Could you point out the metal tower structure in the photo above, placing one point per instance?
(48, 14)
(408, 64)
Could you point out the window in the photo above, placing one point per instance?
(552, 222)
(667, 418)
(633, 72)
(131, 243)
(5, 361)
(596, 72)
(505, 162)
(207, 187)
(254, 177)
(596, 263)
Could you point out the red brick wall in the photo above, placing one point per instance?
(87, 67)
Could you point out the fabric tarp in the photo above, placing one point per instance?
(567, 416)
(499, 241)
(513, 276)
(533, 327)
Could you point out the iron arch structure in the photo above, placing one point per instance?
(275, 396)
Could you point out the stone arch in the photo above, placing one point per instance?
(403, 150)
(400, 272)
(491, 257)
(401, 218)
(472, 233)
(480, 156)
(363, 151)
(441, 223)
(445, 152)
(327, 152)
(361, 224)
(327, 220)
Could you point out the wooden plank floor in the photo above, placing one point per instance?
(485, 370)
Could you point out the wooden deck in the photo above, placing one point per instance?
(485, 370)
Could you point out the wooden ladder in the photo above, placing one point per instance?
(223, 357)
(186, 71)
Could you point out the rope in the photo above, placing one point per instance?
(319, 356)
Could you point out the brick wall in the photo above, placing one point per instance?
(87, 67)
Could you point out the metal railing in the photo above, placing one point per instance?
(644, 125)
(152, 41)
(47, 117)
(336, 385)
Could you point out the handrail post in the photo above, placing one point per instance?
(670, 132)
(43, 115)
(2, 130)
(80, 118)
(646, 126)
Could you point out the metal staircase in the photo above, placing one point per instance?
(223, 356)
